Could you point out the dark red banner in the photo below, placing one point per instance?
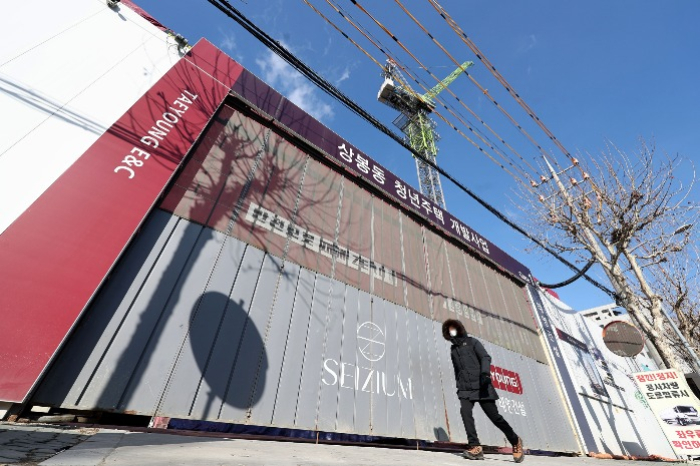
(55, 255)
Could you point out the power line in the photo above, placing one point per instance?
(480, 55)
(377, 43)
(417, 60)
(225, 7)
(386, 51)
(471, 78)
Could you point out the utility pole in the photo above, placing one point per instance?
(416, 124)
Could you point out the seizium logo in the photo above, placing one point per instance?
(371, 341)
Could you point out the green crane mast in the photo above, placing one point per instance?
(415, 122)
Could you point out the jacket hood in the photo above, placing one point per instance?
(461, 331)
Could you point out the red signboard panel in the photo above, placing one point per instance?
(54, 256)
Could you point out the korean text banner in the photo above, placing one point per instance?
(675, 407)
(342, 152)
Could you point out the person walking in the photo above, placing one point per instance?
(472, 365)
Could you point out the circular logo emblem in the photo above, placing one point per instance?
(371, 341)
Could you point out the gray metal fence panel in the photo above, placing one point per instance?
(120, 361)
(372, 344)
(202, 331)
(290, 379)
(427, 370)
(251, 360)
(222, 359)
(403, 365)
(276, 345)
(393, 387)
(307, 400)
(328, 393)
(158, 358)
(419, 377)
(346, 367)
(108, 312)
(363, 395)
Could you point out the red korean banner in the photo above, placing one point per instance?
(676, 408)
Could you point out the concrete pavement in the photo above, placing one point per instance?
(30, 444)
(33, 445)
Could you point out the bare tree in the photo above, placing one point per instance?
(630, 215)
(678, 286)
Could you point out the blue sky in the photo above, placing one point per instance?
(592, 71)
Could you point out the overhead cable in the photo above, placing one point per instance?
(225, 7)
(453, 112)
(386, 51)
(569, 281)
(480, 55)
(471, 78)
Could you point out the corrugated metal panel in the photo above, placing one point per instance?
(373, 342)
(290, 379)
(276, 344)
(233, 334)
(76, 365)
(218, 356)
(250, 365)
(307, 398)
(108, 383)
(403, 366)
(205, 318)
(328, 394)
(422, 405)
(346, 419)
(363, 407)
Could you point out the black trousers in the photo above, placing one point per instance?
(491, 410)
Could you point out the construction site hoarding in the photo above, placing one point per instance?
(270, 288)
(197, 324)
(90, 217)
(345, 154)
(245, 180)
(232, 259)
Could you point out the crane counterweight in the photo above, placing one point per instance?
(415, 123)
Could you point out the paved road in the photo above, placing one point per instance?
(36, 445)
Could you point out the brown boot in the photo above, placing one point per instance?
(474, 453)
(518, 452)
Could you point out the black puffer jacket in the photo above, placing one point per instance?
(471, 362)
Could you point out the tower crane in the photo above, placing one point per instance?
(415, 122)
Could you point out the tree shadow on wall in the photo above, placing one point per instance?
(158, 339)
